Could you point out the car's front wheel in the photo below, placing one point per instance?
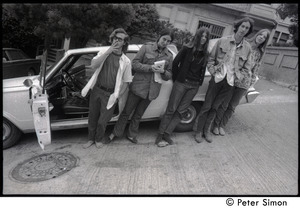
(188, 117)
(11, 134)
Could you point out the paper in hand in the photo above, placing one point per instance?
(160, 65)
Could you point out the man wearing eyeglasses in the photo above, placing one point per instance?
(146, 84)
(108, 83)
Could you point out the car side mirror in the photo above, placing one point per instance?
(28, 82)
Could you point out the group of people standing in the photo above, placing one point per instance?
(233, 64)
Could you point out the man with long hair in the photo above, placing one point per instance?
(229, 59)
(258, 45)
(108, 83)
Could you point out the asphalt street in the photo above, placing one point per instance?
(257, 156)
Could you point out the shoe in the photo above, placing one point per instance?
(208, 137)
(216, 130)
(88, 144)
(99, 145)
(168, 139)
(198, 137)
(162, 143)
(106, 140)
(159, 138)
(222, 131)
(132, 139)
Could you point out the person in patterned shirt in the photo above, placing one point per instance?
(258, 45)
(229, 59)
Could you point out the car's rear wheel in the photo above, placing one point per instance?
(11, 134)
(31, 72)
(189, 116)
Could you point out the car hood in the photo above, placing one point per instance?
(18, 82)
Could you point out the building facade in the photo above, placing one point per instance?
(220, 17)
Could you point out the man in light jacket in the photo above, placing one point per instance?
(229, 60)
(108, 83)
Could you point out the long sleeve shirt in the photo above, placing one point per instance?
(242, 61)
(143, 83)
(123, 75)
(256, 63)
(184, 66)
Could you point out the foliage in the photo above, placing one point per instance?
(282, 44)
(291, 11)
(145, 21)
(180, 37)
(82, 20)
(89, 21)
(17, 36)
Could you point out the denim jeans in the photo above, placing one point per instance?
(180, 99)
(215, 95)
(98, 114)
(135, 105)
(226, 109)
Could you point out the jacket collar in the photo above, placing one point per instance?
(123, 57)
(155, 47)
(232, 39)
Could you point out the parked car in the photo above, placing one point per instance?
(55, 103)
(15, 63)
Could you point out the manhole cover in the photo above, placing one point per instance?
(44, 167)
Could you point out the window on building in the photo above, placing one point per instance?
(216, 31)
(283, 38)
(275, 37)
(280, 37)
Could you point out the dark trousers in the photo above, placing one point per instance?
(134, 104)
(98, 114)
(180, 99)
(226, 109)
(215, 95)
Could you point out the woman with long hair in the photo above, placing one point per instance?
(188, 73)
(258, 45)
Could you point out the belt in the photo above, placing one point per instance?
(109, 90)
(191, 81)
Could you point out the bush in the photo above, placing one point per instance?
(283, 45)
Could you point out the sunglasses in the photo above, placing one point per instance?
(118, 39)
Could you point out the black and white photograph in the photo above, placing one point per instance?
(151, 100)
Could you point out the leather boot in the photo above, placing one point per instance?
(167, 138)
(208, 137)
(198, 137)
(207, 132)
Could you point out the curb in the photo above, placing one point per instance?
(293, 87)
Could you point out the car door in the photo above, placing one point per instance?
(38, 100)
(41, 117)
